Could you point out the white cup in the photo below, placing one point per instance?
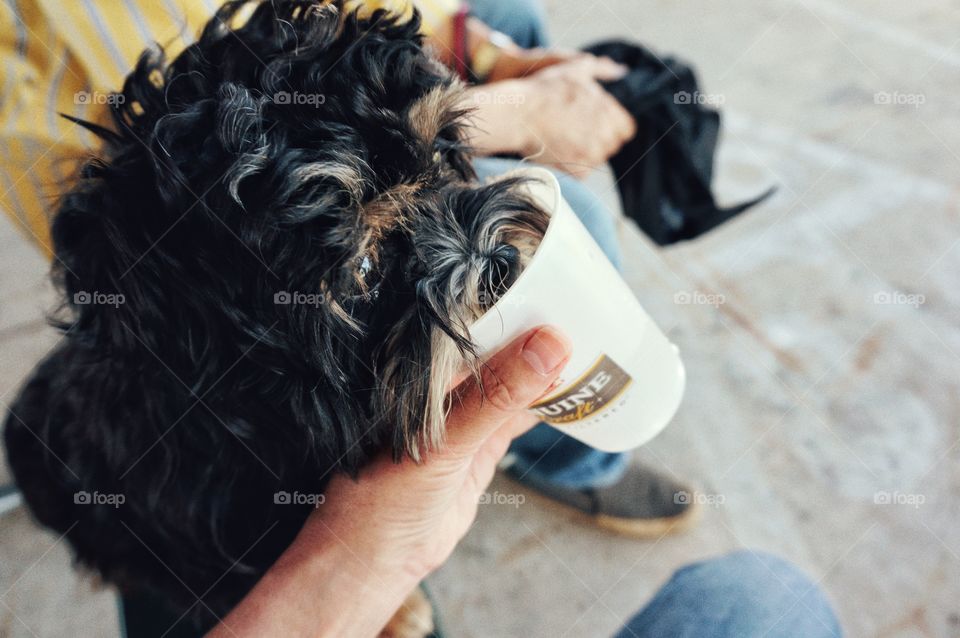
(624, 380)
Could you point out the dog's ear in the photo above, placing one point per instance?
(108, 454)
(55, 452)
(46, 472)
(57, 446)
(469, 245)
(437, 121)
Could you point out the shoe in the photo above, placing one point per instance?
(643, 504)
(416, 618)
(10, 499)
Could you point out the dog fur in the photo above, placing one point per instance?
(199, 398)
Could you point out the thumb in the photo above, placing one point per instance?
(509, 382)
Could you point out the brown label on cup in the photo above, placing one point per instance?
(596, 389)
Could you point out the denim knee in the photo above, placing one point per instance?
(523, 20)
(758, 592)
(740, 595)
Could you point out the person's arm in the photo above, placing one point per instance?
(320, 587)
(33, 145)
(545, 104)
(499, 56)
(46, 70)
(372, 540)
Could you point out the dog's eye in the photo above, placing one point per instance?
(365, 267)
(363, 272)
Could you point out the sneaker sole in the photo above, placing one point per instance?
(648, 528)
(637, 528)
(10, 501)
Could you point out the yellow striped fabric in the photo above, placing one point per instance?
(65, 56)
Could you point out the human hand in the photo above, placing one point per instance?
(367, 546)
(408, 517)
(573, 123)
(560, 116)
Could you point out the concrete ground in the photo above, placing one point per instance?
(821, 338)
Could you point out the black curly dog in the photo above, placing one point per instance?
(287, 229)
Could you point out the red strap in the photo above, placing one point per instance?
(460, 50)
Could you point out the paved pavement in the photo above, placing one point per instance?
(821, 420)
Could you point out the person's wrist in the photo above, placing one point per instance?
(518, 62)
(324, 584)
(509, 64)
(371, 549)
(379, 577)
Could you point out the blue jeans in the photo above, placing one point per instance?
(545, 453)
(743, 595)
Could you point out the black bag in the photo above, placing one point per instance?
(664, 173)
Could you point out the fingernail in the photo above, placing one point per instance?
(545, 350)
